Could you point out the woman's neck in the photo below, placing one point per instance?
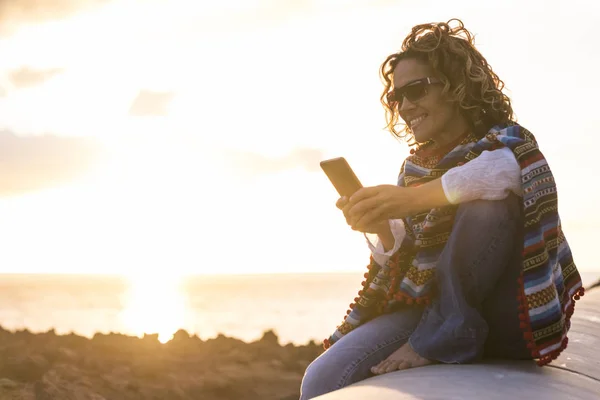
(461, 129)
(443, 143)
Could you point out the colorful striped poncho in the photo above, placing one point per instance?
(549, 283)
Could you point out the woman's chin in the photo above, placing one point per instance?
(421, 136)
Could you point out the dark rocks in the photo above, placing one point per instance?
(180, 336)
(150, 338)
(67, 355)
(6, 383)
(47, 366)
(270, 337)
(24, 368)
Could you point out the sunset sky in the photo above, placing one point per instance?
(183, 136)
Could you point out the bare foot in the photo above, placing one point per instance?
(403, 358)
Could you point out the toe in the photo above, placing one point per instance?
(418, 361)
(381, 367)
(392, 366)
(376, 368)
(384, 366)
(404, 365)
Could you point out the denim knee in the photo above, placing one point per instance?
(350, 359)
(319, 378)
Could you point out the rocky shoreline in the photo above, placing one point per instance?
(46, 366)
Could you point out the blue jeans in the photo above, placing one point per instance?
(474, 315)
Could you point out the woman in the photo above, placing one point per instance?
(469, 258)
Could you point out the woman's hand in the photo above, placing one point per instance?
(379, 228)
(372, 206)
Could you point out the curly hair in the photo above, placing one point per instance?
(467, 77)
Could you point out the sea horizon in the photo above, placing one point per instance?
(297, 307)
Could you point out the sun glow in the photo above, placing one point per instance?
(252, 78)
(154, 304)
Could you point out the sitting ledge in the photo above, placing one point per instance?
(574, 375)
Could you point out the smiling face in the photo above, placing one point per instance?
(432, 117)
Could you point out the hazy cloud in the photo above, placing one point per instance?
(254, 163)
(33, 162)
(39, 10)
(148, 103)
(27, 77)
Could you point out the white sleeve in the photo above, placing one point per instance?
(379, 254)
(491, 176)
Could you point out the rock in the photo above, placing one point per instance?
(180, 335)
(6, 383)
(42, 391)
(112, 340)
(23, 333)
(270, 337)
(91, 362)
(220, 338)
(74, 341)
(25, 368)
(52, 387)
(50, 333)
(47, 366)
(66, 355)
(133, 386)
(150, 338)
(300, 366)
(122, 370)
(240, 356)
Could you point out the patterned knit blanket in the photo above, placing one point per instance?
(549, 283)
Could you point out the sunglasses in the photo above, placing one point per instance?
(413, 91)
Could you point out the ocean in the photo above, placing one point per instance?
(297, 307)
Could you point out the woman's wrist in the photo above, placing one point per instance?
(387, 239)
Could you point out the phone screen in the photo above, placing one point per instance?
(341, 176)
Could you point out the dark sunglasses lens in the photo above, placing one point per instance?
(415, 92)
(412, 92)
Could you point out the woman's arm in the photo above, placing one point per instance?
(429, 195)
(491, 176)
(372, 205)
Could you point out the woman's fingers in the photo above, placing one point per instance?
(363, 193)
(368, 219)
(346, 211)
(342, 201)
(369, 206)
(344, 205)
(358, 210)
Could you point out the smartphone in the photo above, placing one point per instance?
(341, 176)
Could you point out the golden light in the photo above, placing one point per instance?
(154, 304)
